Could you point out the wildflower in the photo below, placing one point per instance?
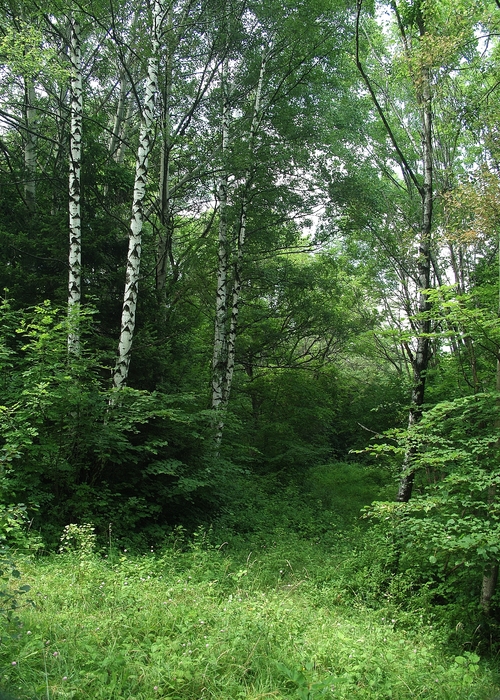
(65, 678)
(28, 632)
(56, 653)
(14, 663)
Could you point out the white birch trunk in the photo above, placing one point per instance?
(128, 319)
(420, 361)
(225, 338)
(240, 241)
(124, 107)
(219, 351)
(490, 576)
(235, 299)
(75, 157)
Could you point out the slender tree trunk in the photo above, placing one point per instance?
(463, 344)
(124, 135)
(226, 329)
(75, 157)
(422, 353)
(490, 580)
(58, 160)
(121, 110)
(129, 308)
(118, 129)
(30, 144)
(220, 342)
(165, 237)
(420, 358)
(235, 296)
(30, 139)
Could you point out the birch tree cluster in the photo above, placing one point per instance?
(245, 237)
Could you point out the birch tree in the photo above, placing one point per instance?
(128, 320)
(75, 166)
(20, 47)
(220, 342)
(121, 120)
(254, 147)
(225, 333)
(426, 45)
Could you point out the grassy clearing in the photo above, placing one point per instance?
(205, 623)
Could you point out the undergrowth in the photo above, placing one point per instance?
(198, 621)
(304, 604)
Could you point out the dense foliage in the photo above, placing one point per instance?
(250, 264)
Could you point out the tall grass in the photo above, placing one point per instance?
(290, 610)
(187, 625)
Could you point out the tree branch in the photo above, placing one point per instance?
(404, 163)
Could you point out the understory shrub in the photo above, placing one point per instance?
(73, 450)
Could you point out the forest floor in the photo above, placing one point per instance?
(280, 614)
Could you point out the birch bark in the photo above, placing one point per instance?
(175, 126)
(75, 157)
(219, 351)
(490, 576)
(128, 319)
(240, 239)
(124, 106)
(226, 328)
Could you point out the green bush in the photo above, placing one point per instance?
(73, 450)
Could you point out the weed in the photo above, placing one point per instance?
(198, 622)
